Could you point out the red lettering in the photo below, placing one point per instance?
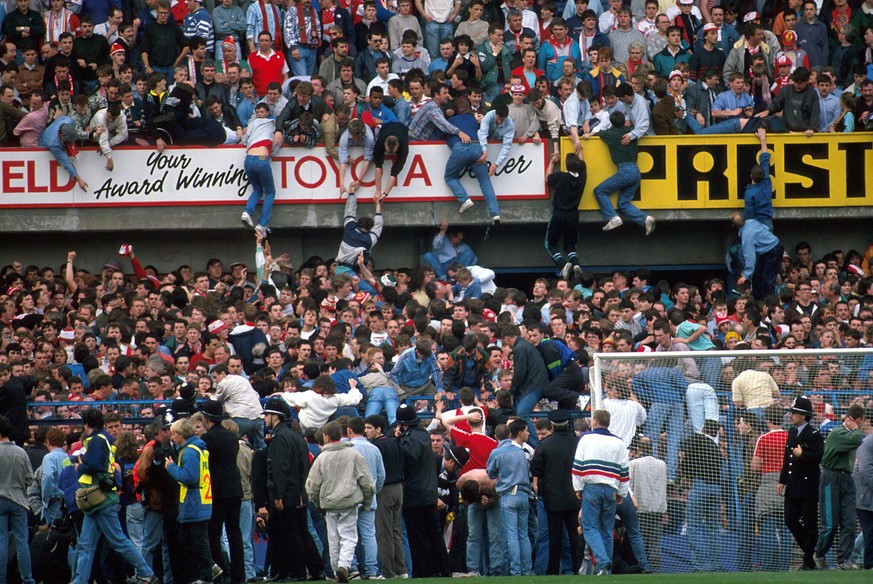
(333, 166)
(417, 170)
(322, 175)
(283, 160)
(355, 164)
(32, 187)
(10, 175)
(54, 178)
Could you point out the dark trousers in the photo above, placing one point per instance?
(836, 494)
(564, 225)
(225, 513)
(865, 517)
(558, 522)
(197, 565)
(766, 269)
(178, 557)
(426, 545)
(565, 388)
(289, 537)
(801, 518)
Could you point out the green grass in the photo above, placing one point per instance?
(817, 577)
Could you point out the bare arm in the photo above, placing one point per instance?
(70, 274)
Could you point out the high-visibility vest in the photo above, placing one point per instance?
(205, 478)
(87, 479)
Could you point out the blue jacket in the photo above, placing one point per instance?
(410, 372)
(755, 240)
(471, 290)
(813, 38)
(551, 62)
(759, 196)
(244, 340)
(192, 507)
(508, 464)
(51, 139)
(341, 380)
(98, 458)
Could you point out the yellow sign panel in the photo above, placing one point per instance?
(712, 172)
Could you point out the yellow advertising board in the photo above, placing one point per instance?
(712, 172)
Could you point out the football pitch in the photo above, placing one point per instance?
(814, 577)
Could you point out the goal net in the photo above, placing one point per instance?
(707, 432)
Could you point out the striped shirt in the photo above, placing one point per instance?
(199, 23)
(430, 124)
(601, 458)
(728, 100)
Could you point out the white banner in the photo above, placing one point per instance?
(31, 178)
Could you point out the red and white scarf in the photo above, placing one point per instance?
(265, 23)
(308, 38)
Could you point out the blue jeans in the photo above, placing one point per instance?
(260, 175)
(367, 542)
(382, 397)
(490, 94)
(465, 258)
(631, 521)
(598, 521)
(165, 71)
(13, 519)
(134, 520)
(524, 405)
(626, 181)
(105, 522)
(673, 414)
(434, 32)
(462, 157)
(477, 516)
(247, 529)
(153, 533)
(776, 543)
(514, 510)
(254, 429)
(702, 404)
(702, 518)
(730, 126)
(305, 65)
(52, 511)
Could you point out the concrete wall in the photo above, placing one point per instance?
(165, 237)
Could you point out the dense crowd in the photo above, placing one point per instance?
(427, 421)
(196, 72)
(339, 407)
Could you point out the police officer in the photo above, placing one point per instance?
(551, 468)
(223, 447)
(96, 466)
(799, 478)
(287, 469)
(429, 557)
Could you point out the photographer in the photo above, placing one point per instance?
(97, 466)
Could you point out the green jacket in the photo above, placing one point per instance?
(839, 450)
(488, 62)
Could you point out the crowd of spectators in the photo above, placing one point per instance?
(336, 350)
(382, 350)
(193, 72)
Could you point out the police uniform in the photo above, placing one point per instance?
(800, 477)
(552, 465)
(292, 549)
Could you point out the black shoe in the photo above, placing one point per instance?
(342, 575)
